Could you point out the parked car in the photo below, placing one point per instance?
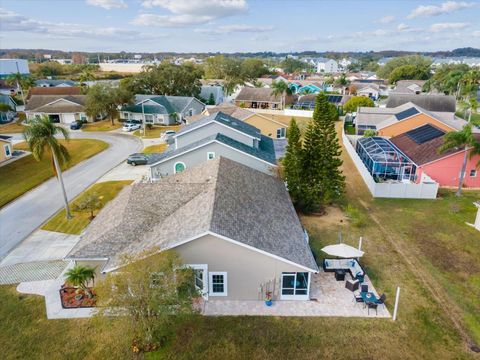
(131, 127)
(167, 134)
(76, 125)
(137, 159)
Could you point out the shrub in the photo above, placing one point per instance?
(356, 217)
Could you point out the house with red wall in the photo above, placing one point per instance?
(422, 146)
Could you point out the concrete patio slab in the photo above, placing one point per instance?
(31, 271)
(41, 245)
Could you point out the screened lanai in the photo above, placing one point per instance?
(384, 160)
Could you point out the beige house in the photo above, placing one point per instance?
(63, 109)
(268, 126)
(234, 225)
(262, 98)
(6, 152)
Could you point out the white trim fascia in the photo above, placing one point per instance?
(53, 102)
(225, 126)
(87, 259)
(212, 141)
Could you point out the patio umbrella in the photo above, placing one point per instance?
(343, 251)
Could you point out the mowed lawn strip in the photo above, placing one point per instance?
(12, 128)
(105, 190)
(156, 131)
(158, 148)
(26, 173)
(104, 125)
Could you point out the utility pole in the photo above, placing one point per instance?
(143, 117)
(18, 85)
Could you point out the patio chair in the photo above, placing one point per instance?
(371, 305)
(381, 300)
(352, 285)
(357, 298)
(364, 288)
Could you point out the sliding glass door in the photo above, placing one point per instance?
(295, 286)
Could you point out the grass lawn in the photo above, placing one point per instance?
(26, 173)
(155, 148)
(156, 131)
(422, 246)
(107, 190)
(104, 125)
(349, 129)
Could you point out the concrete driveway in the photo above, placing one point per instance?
(21, 217)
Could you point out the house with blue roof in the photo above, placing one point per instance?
(215, 135)
(161, 109)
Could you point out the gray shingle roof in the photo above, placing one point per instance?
(265, 151)
(40, 103)
(226, 120)
(430, 102)
(257, 94)
(220, 196)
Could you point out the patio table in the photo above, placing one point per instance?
(369, 297)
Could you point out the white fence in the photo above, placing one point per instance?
(423, 190)
(286, 112)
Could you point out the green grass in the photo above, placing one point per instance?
(106, 190)
(26, 173)
(12, 128)
(156, 131)
(432, 234)
(349, 129)
(155, 148)
(104, 125)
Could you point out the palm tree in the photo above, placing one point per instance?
(22, 82)
(40, 135)
(80, 276)
(280, 88)
(462, 139)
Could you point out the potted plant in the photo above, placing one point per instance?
(80, 276)
(268, 298)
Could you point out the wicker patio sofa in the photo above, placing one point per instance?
(350, 265)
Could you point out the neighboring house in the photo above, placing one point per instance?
(430, 102)
(63, 109)
(6, 152)
(212, 90)
(391, 122)
(8, 115)
(216, 135)
(422, 146)
(261, 98)
(370, 90)
(310, 88)
(265, 123)
(324, 65)
(307, 102)
(54, 83)
(408, 87)
(161, 109)
(58, 91)
(6, 89)
(235, 226)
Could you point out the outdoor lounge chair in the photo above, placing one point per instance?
(364, 288)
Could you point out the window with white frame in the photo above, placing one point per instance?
(126, 115)
(218, 283)
(473, 173)
(149, 118)
(281, 133)
(8, 152)
(210, 155)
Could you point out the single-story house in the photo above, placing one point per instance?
(215, 91)
(161, 109)
(307, 102)
(430, 102)
(422, 145)
(235, 226)
(408, 87)
(265, 123)
(391, 122)
(71, 90)
(6, 152)
(261, 98)
(63, 109)
(216, 135)
(369, 90)
(54, 83)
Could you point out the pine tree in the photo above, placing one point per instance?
(211, 99)
(321, 178)
(292, 162)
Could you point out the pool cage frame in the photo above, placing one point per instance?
(384, 160)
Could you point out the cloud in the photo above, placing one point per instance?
(403, 27)
(386, 19)
(227, 29)
(476, 33)
(189, 12)
(439, 27)
(15, 22)
(108, 4)
(445, 8)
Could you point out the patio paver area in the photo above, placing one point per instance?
(332, 299)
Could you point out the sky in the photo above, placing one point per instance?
(239, 25)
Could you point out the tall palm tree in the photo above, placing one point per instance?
(280, 88)
(40, 135)
(465, 139)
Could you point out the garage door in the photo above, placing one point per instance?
(68, 118)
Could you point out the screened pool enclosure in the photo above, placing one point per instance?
(384, 160)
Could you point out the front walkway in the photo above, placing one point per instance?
(329, 298)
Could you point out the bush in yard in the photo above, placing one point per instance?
(357, 101)
(89, 203)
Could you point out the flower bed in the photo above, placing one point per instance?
(72, 298)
